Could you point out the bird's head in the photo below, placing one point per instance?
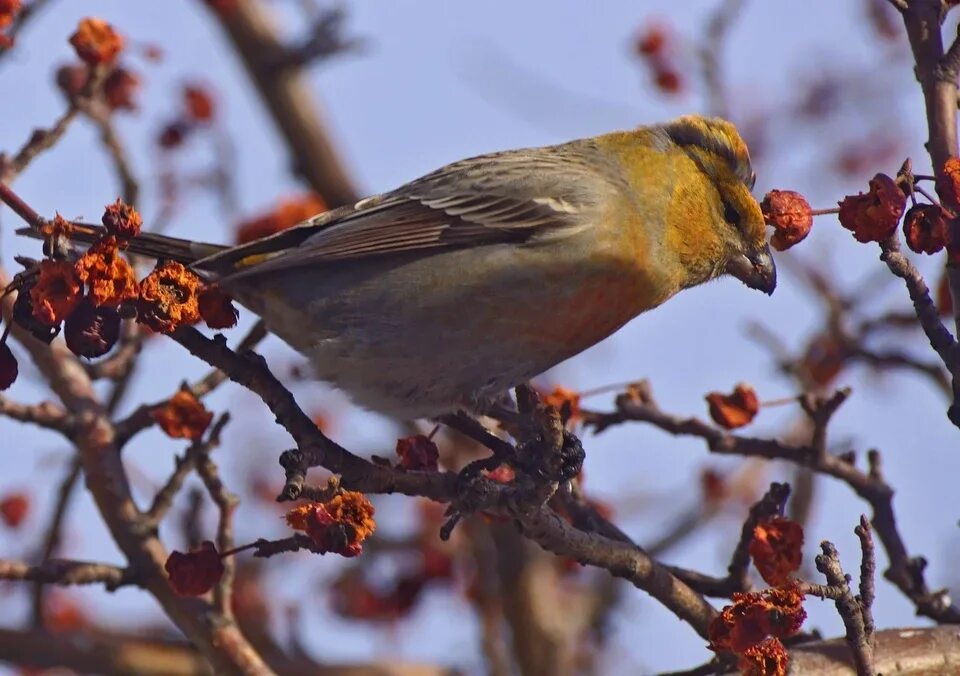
(719, 226)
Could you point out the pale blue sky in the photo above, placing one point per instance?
(439, 80)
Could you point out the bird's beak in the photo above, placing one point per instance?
(756, 270)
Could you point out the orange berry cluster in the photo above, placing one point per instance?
(339, 525)
(87, 297)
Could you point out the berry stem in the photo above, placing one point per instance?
(603, 389)
(785, 401)
(237, 550)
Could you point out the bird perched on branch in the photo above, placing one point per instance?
(454, 288)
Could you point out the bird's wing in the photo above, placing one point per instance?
(506, 197)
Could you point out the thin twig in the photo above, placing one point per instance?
(45, 414)
(44, 139)
(54, 531)
(838, 589)
(906, 572)
(868, 573)
(227, 504)
(142, 418)
(718, 28)
(65, 572)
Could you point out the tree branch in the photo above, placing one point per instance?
(286, 93)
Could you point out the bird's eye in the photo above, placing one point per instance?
(731, 215)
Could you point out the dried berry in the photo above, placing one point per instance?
(790, 215)
(668, 80)
(651, 41)
(752, 617)
(925, 228)
(120, 88)
(354, 597)
(777, 549)
(71, 79)
(566, 401)
(121, 220)
(56, 292)
(216, 308)
(873, 217)
(169, 298)
(24, 317)
(110, 279)
(713, 485)
(735, 409)
(767, 658)
(195, 573)
(96, 41)
(14, 508)
(173, 135)
(948, 184)
(90, 331)
(183, 416)
(8, 366)
(943, 298)
(339, 525)
(418, 453)
(8, 10)
(825, 358)
(198, 102)
(62, 615)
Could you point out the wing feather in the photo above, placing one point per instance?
(509, 197)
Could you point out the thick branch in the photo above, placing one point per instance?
(541, 524)
(220, 641)
(285, 91)
(122, 654)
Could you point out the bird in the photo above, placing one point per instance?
(447, 292)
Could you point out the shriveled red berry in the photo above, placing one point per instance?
(8, 366)
(651, 41)
(948, 184)
(925, 228)
(91, 331)
(216, 308)
(873, 217)
(418, 453)
(790, 215)
(195, 573)
(199, 103)
(735, 409)
(14, 508)
(96, 41)
(120, 89)
(121, 220)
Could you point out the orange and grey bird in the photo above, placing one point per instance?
(454, 288)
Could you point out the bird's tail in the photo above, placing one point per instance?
(145, 244)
